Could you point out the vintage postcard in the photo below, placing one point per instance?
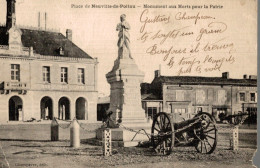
(149, 83)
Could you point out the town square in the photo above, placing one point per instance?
(132, 85)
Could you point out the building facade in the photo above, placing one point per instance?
(188, 95)
(44, 74)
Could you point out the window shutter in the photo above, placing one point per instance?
(226, 96)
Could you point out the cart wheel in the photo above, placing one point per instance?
(206, 134)
(162, 134)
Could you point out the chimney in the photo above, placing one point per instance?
(10, 14)
(157, 73)
(245, 76)
(69, 34)
(39, 20)
(45, 21)
(252, 77)
(225, 75)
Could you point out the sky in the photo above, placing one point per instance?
(94, 31)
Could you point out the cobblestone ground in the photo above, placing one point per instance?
(30, 146)
(60, 155)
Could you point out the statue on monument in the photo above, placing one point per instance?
(123, 38)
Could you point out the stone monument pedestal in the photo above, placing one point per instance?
(125, 92)
(125, 103)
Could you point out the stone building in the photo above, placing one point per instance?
(188, 95)
(43, 74)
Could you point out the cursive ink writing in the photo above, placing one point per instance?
(153, 50)
(216, 46)
(189, 63)
(184, 16)
(188, 47)
(171, 34)
(213, 28)
(145, 19)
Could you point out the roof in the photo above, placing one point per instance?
(199, 80)
(149, 96)
(46, 43)
(3, 36)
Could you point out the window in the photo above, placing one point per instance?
(221, 112)
(81, 75)
(152, 111)
(199, 109)
(169, 107)
(180, 111)
(222, 96)
(252, 97)
(200, 96)
(64, 75)
(61, 51)
(210, 95)
(46, 74)
(242, 96)
(15, 72)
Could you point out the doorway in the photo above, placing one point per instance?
(15, 109)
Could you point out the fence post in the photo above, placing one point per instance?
(107, 145)
(74, 134)
(54, 130)
(234, 138)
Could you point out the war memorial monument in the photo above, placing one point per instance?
(125, 96)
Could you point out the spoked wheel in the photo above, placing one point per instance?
(162, 134)
(206, 134)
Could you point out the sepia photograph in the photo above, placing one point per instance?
(124, 84)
